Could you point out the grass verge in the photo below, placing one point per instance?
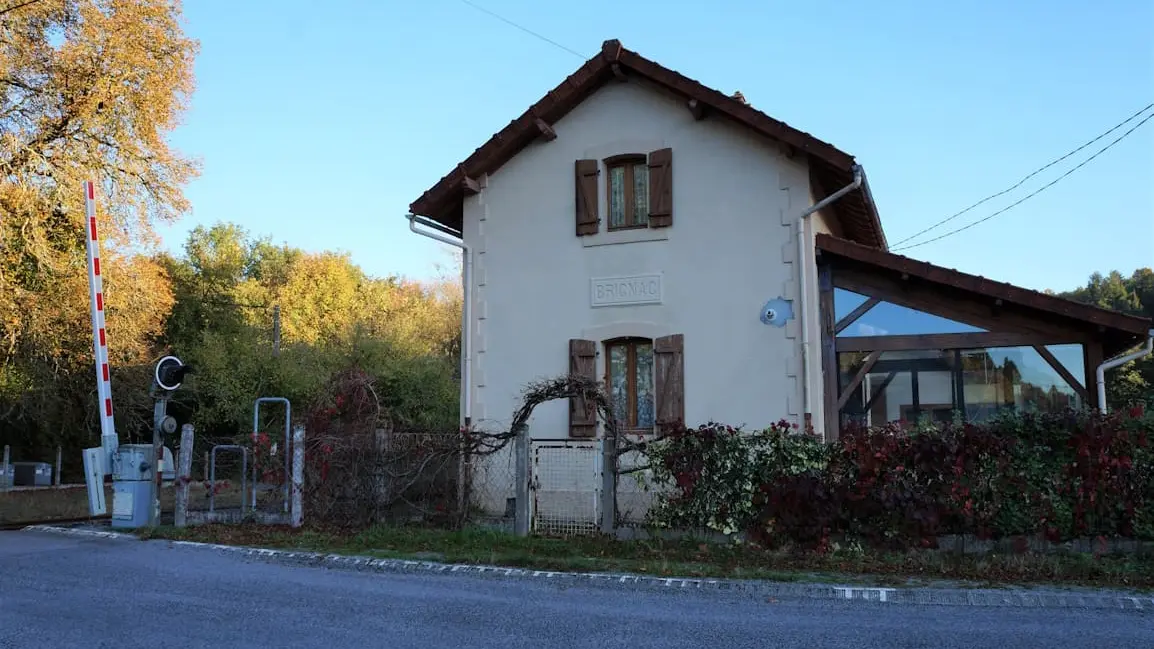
(686, 558)
(71, 501)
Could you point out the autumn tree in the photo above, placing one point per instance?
(1134, 381)
(333, 316)
(89, 89)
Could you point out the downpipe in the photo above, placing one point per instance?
(804, 246)
(440, 233)
(1115, 362)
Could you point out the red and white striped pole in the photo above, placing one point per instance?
(108, 439)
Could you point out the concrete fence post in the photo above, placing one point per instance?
(59, 456)
(609, 483)
(184, 475)
(381, 448)
(463, 460)
(6, 479)
(522, 476)
(296, 511)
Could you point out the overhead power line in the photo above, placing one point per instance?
(1037, 191)
(951, 217)
(525, 29)
(1022, 181)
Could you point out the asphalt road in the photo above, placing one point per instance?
(62, 591)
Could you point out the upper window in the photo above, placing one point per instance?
(629, 375)
(638, 192)
(628, 192)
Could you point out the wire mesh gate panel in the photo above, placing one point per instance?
(565, 489)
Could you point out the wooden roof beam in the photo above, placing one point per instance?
(698, 109)
(546, 131)
(470, 186)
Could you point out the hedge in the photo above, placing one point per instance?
(1063, 476)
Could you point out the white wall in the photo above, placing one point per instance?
(730, 249)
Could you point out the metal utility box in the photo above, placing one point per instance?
(32, 474)
(132, 484)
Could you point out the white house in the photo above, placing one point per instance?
(617, 221)
(634, 225)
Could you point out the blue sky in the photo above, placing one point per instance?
(318, 123)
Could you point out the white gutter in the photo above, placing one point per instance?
(1115, 362)
(804, 245)
(467, 310)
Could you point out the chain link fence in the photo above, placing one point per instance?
(634, 486)
(492, 489)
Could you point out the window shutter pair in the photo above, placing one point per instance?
(669, 384)
(660, 192)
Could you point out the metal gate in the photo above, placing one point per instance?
(565, 487)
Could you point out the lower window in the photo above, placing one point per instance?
(629, 375)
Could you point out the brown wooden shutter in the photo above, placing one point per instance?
(582, 413)
(669, 359)
(661, 188)
(586, 172)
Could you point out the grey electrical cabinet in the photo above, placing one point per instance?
(132, 476)
(32, 474)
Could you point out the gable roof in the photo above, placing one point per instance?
(1118, 331)
(830, 168)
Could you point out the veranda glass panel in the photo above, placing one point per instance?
(903, 386)
(1013, 378)
(844, 302)
(888, 319)
(879, 398)
(910, 386)
(1070, 356)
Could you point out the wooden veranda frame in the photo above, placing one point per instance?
(1007, 325)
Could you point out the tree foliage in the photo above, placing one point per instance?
(91, 89)
(332, 317)
(88, 90)
(1133, 382)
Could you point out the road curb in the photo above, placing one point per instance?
(1009, 597)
